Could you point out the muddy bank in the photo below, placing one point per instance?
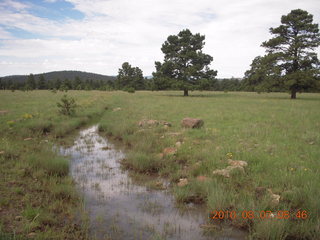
(119, 208)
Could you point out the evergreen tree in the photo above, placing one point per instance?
(30, 83)
(129, 77)
(184, 61)
(42, 82)
(292, 48)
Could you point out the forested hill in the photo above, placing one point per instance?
(62, 75)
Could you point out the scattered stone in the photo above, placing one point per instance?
(275, 198)
(31, 235)
(236, 167)
(162, 136)
(178, 144)
(18, 218)
(182, 182)
(166, 123)
(151, 123)
(226, 172)
(237, 163)
(148, 123)
(169, 151)
(116, 109)
(192, 123)
(202, 178)
(222, 172)
(1, 152)
(27, 139)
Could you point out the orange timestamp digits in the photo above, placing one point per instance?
(249, 214)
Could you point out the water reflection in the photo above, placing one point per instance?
(121, 209)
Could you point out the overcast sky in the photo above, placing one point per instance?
(99, 35)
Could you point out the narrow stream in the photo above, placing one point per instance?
(118, 208)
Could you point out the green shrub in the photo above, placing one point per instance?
(67, 106)
(130, 90)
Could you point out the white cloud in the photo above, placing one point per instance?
(115, 31)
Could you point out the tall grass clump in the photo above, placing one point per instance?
(142, 162)
(52, 165)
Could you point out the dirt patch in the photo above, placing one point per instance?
(3, 112)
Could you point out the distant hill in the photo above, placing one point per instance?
(62, 75)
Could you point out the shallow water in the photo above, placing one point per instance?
(119, 208)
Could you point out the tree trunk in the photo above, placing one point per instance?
(185, 92)
(293, 94)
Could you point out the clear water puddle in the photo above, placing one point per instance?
(118, 208)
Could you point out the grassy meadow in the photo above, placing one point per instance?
(37, 197)
(279, 138)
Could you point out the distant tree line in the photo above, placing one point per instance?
(40, 83)
(290, 64)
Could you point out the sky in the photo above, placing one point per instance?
(97, 36)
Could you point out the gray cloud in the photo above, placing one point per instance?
(115, 31)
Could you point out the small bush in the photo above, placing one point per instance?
(130, 90)
(67, 106)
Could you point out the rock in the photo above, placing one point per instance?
(169, 151)
(116, 109)
(228, 170)
(275, 198)
(221, 172)
(1, 152)
(202, 178)
(237, 163)
(192, 123)
(148, 123)
(235, 168)
(27, 139)
(166, 123)
(31, 235)
(151, 123)
(182, 182)
(18, 218)
(178, 144)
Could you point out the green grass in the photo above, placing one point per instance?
(277, 136)
(37, 195)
